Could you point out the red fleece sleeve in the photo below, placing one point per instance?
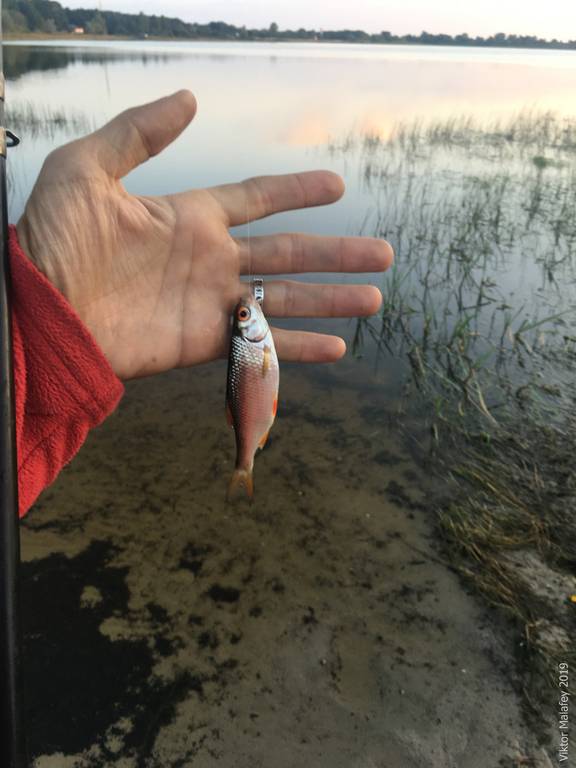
(64, 385)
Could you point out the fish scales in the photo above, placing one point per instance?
(249, 397)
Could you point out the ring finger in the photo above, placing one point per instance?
(288, 298)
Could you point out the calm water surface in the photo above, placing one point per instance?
(275, 108)
(319, 626)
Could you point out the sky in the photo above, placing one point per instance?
(554, 18)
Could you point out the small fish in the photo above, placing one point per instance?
(252, 389)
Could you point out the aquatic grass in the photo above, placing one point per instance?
(528, 131)
(480, 310)
(455, 236)
(509, 533)
(31, 120)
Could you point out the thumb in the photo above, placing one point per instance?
(139, 133)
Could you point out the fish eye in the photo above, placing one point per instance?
(243, 313)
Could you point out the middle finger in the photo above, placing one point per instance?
(291, 253)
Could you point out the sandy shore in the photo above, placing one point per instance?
(319, 627)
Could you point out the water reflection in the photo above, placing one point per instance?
(21, 60)
(262, 108)
(371, 91)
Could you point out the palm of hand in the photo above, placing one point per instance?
(156, 278)
(184, 281)
(164, 304)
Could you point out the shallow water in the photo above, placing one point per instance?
(320, 626)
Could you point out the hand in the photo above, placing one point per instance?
(155, 279)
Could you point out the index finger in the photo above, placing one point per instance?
(262, 196)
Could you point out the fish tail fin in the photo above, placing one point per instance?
(241, 478)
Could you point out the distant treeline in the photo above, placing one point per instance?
(46, 16)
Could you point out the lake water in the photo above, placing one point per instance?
(319, 626)
(275, 108)
(272, 108)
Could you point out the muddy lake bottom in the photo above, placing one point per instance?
(319, 626)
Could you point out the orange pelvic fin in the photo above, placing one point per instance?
(241, 478)
(262, 442)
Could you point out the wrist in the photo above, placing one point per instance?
(29, 246)
(45, 259)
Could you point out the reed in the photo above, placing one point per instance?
(480, 311)
(33, 121)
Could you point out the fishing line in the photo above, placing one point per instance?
(248, 238)
(256, 283)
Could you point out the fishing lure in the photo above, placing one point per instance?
(252, 386)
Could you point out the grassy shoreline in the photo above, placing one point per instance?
(473, 209)
(22, 36)
(62, 36)
(71, 36)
